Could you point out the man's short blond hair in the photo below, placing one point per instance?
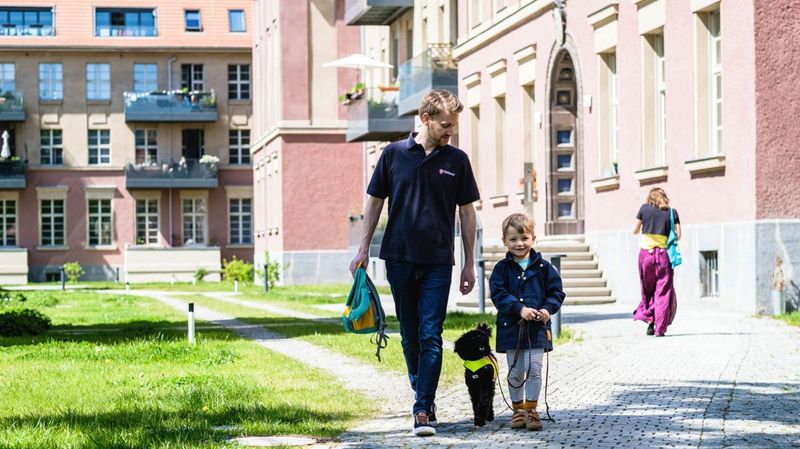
(438, 100)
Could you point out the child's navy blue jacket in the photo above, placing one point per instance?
(539, 287)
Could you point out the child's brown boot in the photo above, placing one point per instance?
(532, 419)
(518, 418)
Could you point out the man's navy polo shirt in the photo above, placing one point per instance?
(423, 193)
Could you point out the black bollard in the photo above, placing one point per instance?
(63, 279)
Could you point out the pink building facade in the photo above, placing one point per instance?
(606, 100)
(308, 180)
(128, 134)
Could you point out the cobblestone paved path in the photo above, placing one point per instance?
(716, 380)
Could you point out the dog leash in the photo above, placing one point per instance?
(523, 328)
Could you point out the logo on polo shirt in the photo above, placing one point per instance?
(445, 172)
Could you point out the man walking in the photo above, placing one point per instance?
(424, 179)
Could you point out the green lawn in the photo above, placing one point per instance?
(116, 371)
(792, 318)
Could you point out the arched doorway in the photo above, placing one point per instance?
(565, 186)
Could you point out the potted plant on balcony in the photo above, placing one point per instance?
(210, 162)
(356, 93)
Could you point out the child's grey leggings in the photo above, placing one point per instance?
(527, 373)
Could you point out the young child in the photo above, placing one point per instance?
(526, 290)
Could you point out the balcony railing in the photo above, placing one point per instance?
(12, 174)
(12, 107)
(189, 174)
(374, 12)
(374, 117)
(175, 106)
(433, 69)
(8, 29)
(125, 31)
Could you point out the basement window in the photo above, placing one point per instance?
(709, 274)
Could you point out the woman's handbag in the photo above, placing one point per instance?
(674, 254)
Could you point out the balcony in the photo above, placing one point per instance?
(434, 69)
(13, 265)
(12, 174)
(191, 174)
(373, 117)
(374, 12)
(172, 106)
(12, 108)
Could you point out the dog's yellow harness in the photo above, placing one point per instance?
(475, 365)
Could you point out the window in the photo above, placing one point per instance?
(99, 222)
(564, 161)
(239, 81)
(565, 185)
(193, 20)
(192, 76)
(607, 120)
(194, 221)
(125, 22)
(193, 144)
(145, 77)
(146, 146)
(564, 98)
(12, 139)
(612, 109)
(236, 18)
(661, 99)
(26, 22)
(239, 146)
(98, 81)
(500, 145)
(564, 210)
(715, 70)
(99, 147)
(147, 221)
(709, 274)
(564, 137)
(474, 138)
(8, 222)
(7, 78)
(52, 150)
(475, 12)
(51, 81)
(241, 220)
(52, 222)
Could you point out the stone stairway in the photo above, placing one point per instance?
(583, 280)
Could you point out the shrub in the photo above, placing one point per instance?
(15, 323)
(200, 274)
(237, 270)
(273, 268)
(73, 271)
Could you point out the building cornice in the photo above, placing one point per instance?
(285, 129)
(112, 49)
(494, 31)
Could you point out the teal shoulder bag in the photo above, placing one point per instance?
(674, 254)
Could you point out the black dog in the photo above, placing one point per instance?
(480, 371)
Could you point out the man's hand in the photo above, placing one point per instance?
(467, 279)
(362, 257)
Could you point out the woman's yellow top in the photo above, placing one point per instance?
(650, 241)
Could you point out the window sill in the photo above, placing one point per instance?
(706, 165)
(498, 200)
(98, 102)
(236, 101)
(239, 246)
(51, 101)
(246, 166)
(605, 184)
(651, 175)
(100, 248)
(52, 248)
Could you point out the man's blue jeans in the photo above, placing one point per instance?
(420, 297)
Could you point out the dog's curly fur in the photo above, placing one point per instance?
(473, 345)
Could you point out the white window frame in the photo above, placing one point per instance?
(102, 151)
(715, 81)
(230, 21)
(147, 148)
(98, 81)
(237, 83)
(9, 221)
(51, 217)
(238, 147)
(47, 145)
(237, 234)
(51, 81)
(612, 108)
(8, 82)
(101, 219)
(148, 82)
(192, 29)
(196, 218)
(661, 99)
(152, 222)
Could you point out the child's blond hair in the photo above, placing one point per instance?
(521, 222)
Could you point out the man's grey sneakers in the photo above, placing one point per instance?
(422, 425)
